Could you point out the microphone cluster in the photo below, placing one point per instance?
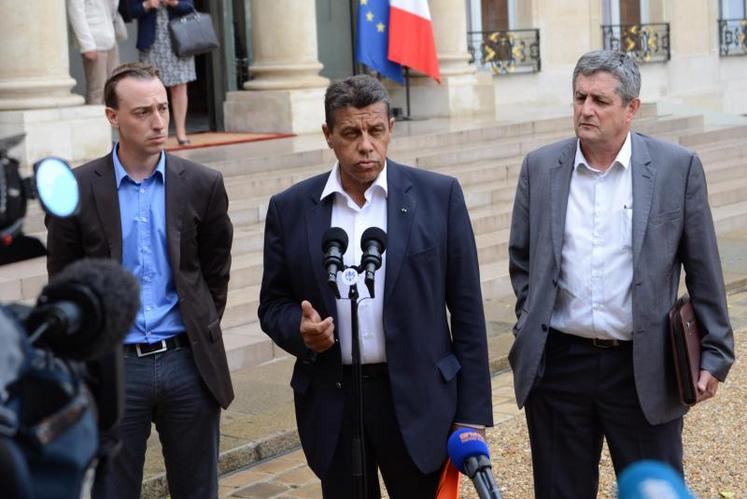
(334, 245)
(469, 453)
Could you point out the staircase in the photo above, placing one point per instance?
(486, 158)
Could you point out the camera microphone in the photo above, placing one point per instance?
(373, 244)
(334, 245)
(469, 453)
(86, 310)
(651, 480)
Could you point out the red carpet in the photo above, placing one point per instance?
(210, 139)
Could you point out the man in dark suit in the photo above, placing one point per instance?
(602, 225)
(165, 219)
(420, 375)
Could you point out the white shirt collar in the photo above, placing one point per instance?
(623, 155)
(334, 184)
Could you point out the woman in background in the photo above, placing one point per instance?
(154, 44)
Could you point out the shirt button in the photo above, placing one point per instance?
(147, 308)
(338, 385)
(544, 327)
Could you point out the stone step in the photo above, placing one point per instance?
(693, 141)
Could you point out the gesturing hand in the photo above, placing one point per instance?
(318, 334)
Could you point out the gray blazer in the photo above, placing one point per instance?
(672, 227)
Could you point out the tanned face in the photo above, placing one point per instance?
(360, 138)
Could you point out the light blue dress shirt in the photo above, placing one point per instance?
(142, 209)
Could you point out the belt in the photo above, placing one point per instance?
(145, 349)
(368, 371)
(595, 342)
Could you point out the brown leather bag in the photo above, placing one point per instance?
(685, 338)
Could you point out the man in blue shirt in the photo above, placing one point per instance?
(166, 220)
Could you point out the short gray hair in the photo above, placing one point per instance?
(619, 64)
(358, 91)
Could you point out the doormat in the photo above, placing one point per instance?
(211, 139)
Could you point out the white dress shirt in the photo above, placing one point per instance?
(596, 269)
(354, 220)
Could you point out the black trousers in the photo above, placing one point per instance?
(384, 448)
(587, 394)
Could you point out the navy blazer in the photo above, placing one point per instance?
(439, 374)
(146, 20)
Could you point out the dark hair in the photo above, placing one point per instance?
(619, 64)
(358, 91)
(132, 70)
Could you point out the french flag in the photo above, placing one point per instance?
(411, 40)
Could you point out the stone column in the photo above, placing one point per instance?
(286, 93)
(449, 18)
(462, 91)
(35, 85)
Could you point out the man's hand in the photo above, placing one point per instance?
(707, 386)
(318, 334)
(171, 3)
(90, 55)
(477, 428)
(151, 4)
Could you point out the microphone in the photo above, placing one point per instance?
(334, 245)
(651, 480)
(469, 454)
(86, 310)
(373, 244)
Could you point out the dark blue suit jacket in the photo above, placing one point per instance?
(439, 375)
(146, 20)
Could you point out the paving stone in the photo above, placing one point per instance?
(261, 490)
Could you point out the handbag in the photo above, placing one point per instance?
(685, 337)
(193, 34)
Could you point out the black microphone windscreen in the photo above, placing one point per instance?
(376, 234)
(337, 235)
(118, 295)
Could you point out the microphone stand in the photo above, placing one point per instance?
(359, 451)
(360, 479)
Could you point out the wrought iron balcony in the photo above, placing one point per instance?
(732, 36)
(644, 42)
(505, 52)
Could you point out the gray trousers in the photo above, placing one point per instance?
(97, 72)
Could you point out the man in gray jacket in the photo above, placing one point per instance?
(602, 225)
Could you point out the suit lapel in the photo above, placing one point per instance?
(560, 184)
(104, 191)
(176, 192)
(643, 190)
(400, 214)
(318, 219)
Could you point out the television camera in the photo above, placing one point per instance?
(58, 391)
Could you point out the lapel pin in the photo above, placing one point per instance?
(404, 210)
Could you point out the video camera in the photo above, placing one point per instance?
(58, 389)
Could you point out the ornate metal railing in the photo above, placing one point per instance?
(505, 52)
(644, 42)
(732, 36)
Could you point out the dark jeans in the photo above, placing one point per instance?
(587, 394)
(165, 389)
(384, 449)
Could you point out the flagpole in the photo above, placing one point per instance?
(407, 91)
(353, 18)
